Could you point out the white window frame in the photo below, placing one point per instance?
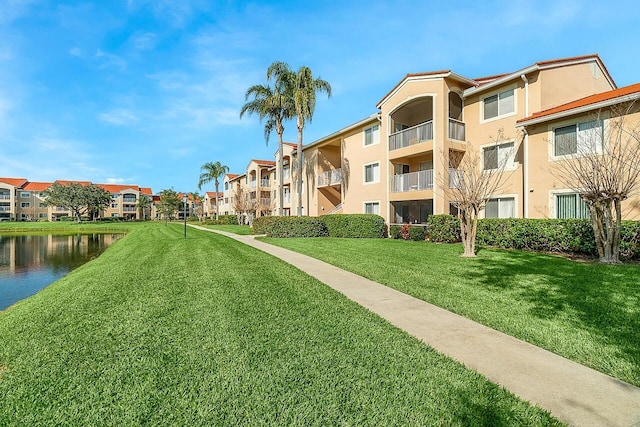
(511, 163)
(504, 196)
(375, 131)
(498, 93)
(24, 205)
(376, 180)
(551, 136)
(25, 195)
(553, 200)
(372, 203)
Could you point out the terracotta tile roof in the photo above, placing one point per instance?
(146, 190)
(16, 182)
(585, 102)
(116, 188)
(232, 175)
(212, 194)
(264, 162)
(36, 186)
(290, 144)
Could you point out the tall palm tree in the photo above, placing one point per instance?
(212, 172)
(304, 88)
(274, 104)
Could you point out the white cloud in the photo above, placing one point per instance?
(119, 117)
(76, 51)
(145, 41)
(116, 180)
(109, 60)
(13, 9)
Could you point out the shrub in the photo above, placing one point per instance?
(444, 228)
(417, 233)
(227, 219)
(394, 231)
(355, 225)
(290, 226)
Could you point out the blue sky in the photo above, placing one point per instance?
(146, 91)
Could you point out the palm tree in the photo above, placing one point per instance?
(274, 104)
(304, 88)
(212, 172)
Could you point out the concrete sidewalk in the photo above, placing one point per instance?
(573, 393)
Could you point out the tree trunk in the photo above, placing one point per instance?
(606, 230)
(279, 172)
(300, 165)
(217, 184)
(468, 227)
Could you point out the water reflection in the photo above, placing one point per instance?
(29, 263)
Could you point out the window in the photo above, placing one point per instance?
(372, 172)
(580, 138)
(497, 156)
(114, 206)
(42, 215)
(501, 207)
(498, 105)
(226, 186)
(372, 135)
(372, 208)
(25, 194)
(571, 206)
(25, 205)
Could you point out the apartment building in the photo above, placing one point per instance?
(23, 200)
(400, 161)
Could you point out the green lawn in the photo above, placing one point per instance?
(587, 312)
(160, 330)
(236, 229)
(64, 227)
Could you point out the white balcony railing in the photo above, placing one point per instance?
(456, 130)
(252, 185)
(286, 199)
(129, 209)
(265, 183)
(286, 173)
(414, 181)
(265, 202)
(332, 177)
(5, 208)
(129, 200)
(456, 178)
(5, 197)
(413, 135)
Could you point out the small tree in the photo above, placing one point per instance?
(212, 172)
(244, 206)
(169, 204)
(96, 200)
(470, 182)
(604, 169)
(144, 205)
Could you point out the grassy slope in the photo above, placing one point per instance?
(586, 312)
(205, 331)
(236, 229)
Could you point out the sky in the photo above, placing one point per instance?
(144, 92)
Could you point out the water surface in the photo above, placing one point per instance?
(29, 263)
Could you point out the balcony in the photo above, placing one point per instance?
(286, 173)
(5, 196)
(265, 202)
(456, 178)
(265, 183)
(332, 177)
(456, 130)
(5, 208)
(252, 185)
(286, 199)
(129, 209)
(411, 136)
(129, 200)
(414, 181)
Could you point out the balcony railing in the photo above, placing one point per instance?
(286, 199)
(265, 183)
(456, 178)
(129, 200)
(5, 196)
(413, 135)
(265, 202)
(5, 208)
(456, 130)
(414, 181)
(252, 185)
(331, 177)
(286, 173)
(129, 209)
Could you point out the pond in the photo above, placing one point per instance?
(29, 263)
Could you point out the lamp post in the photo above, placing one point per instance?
(184, 199)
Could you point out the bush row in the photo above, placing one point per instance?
(416, 233)
(336, 225)
(222, 220)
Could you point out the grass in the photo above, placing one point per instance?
(66, 227)
(161, 330)
(236, 229)
(587, 312)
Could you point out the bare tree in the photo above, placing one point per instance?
(472, 178)
(244, 206)
(602, 165)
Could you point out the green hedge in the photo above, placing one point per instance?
(355, 225)
(417, 233)
(553, 235)
(290, 226)
(443, 228)
(222, 220)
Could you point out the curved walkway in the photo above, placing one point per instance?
(572, 392)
